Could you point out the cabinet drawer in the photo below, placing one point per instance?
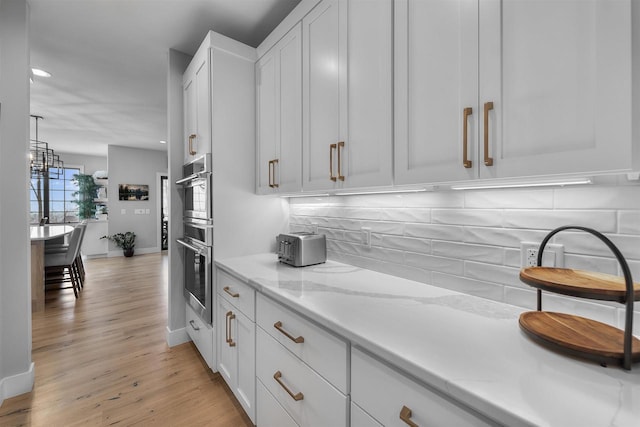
(324, 352)
(383, 392)
(270, 413)
(359, 418)
(201, 334)
(318, 404)
(238, 293)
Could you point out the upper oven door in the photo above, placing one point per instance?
(198, 201)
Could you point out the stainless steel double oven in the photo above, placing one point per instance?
(197, 183)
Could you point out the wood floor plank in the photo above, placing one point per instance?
(103, 360)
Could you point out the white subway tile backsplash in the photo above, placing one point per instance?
(604, 221)
(480, 253)
(434, 231)
(479, 217)
(506, 237)
(629, 222)
(509, 199)
(469, 241)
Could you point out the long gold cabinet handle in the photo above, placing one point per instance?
(270, 168)
(405, 415)
(227, 289)
(465, 137)
(274, 162)
(230, 316)
(340, 150)
(488, 106)
(191, 138)
(297, 340)
(298, 396)
(331, 148)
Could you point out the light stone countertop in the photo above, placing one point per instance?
(470, 348)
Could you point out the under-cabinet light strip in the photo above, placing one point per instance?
(521, 184)
(360, 193)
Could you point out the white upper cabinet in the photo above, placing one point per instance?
(197, 105)
(347, 87)
(279, 116)
(530, 88)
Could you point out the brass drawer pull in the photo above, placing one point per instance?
(230, 316)
(297, 396)
(488, 106)
(340, 145)
(298, 340)
(405, 415)
(465, 137)
(193, 325)
(331, 148)
(191, 138)
(233, 294)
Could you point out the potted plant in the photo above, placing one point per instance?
(126, 241)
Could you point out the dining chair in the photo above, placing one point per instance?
(63, 247)
(59, 262)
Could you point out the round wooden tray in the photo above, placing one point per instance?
(578, 283)
(578, 336)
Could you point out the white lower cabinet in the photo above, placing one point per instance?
(202, 335)
(269, 412)
(236, 340)
(393, 399)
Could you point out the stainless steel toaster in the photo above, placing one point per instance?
(302, 249)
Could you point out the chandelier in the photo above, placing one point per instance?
(43, 161)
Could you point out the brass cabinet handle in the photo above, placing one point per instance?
(488, 106)
(193, 325)
(233, 294)
(270, 180)
(297, 340)
(274, 162)
(465, 135)
(331, 148)
(405, 415)
(340, 145)
(191, 138)
(297, 396)
(230, 316)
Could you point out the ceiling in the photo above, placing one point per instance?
(108, 63)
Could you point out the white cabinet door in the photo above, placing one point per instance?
(197, 105)
(236, 361)
(559, 77)
(368, 144)
(324, 83)
(279, 115)
(347, 73)
(436, 79)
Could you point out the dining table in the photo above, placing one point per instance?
(39, 235)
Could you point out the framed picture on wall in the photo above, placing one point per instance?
(133, 192)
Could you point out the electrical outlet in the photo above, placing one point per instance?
(367, 236)
(553, 255)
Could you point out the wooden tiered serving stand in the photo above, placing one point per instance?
(577, 335)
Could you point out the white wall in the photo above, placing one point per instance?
(135, 166)
(90, 163)
(16, 368)
(469, 241)
(177, 62)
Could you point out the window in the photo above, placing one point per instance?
(61, 186)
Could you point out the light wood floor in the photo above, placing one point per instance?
(103, 359)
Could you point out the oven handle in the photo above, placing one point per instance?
(191, 247)
(188, 179)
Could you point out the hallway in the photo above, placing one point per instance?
(103, 359)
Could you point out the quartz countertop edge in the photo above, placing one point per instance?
(467, 347)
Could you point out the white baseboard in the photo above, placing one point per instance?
(17, 384)
(177, 337)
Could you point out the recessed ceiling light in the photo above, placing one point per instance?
(163, 142)
(40, 73)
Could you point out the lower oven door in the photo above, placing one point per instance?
(198, 278)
